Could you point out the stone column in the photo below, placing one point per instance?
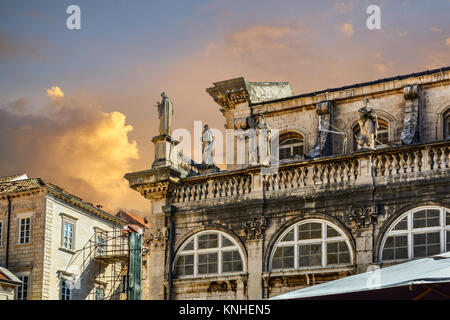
(254, 231)
(362, 222)
(255, 269)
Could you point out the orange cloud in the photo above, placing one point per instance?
(76, 146)
(55, 92)
(347, 29)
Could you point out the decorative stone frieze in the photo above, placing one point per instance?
(254, 229)
(363, 217)
(157, 238)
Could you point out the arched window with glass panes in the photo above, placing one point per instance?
(419, 233)
(208, 253)
(311, 243)
(447, 124)
(291, 146)
(382, 134)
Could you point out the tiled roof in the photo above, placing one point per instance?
(7, 186)
(8, 276)
(132, 218)
(15, 177)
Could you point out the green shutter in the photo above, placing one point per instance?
(134, 267)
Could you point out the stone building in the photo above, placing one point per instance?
(57, 244)
(329, 209)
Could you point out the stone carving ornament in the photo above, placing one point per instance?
(157, 238)
(254, 229)
(207, 147)
(363, 217)
(165, 113)
(368, 124)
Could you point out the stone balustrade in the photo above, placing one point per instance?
(337, 171)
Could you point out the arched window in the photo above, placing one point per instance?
(311, 243)
(207, 253)
(291, 146)
(447, 125)
(382, 134)
(419, 233)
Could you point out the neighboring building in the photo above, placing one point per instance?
(133, 219)
(58, 245)
(8, 284)
(320, 216)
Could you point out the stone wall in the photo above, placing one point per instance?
(26, 258)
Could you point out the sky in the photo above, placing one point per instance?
(77, 107)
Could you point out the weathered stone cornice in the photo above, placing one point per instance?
(155, 183)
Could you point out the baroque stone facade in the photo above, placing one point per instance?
(245, 234)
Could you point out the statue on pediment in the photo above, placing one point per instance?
(165, 113)
(207, 146)
(368, 124)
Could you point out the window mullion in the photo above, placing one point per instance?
(296, 244)
(442, 232)
(410, 241)
(195, 256)
(324, 242)
(219, 253)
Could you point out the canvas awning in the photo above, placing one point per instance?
(407, 280)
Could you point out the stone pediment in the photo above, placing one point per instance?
(230, 93)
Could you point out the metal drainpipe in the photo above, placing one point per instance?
(169, 210)
(8, 232)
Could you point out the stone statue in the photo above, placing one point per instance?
(264, 140)
(368, 124)
(207, 146)
(165, 113)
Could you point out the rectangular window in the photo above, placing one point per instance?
(426, 218)
(22, 290)
(426, 244)
(206, 241)
(124, 284)
(68, 235)
(337, 253)
(185, 265)
(396, 248)
(99, 293)
(207, 263)
(231, 261)
(66, 289)
(448, 240)
(310, 255)
(310, 231)
(283, 258)
(101, 244)
(24, 230)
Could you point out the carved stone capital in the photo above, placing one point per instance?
(254, 229)
(157, 238)
(323, 108)
(363, 217)
(411, 92)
